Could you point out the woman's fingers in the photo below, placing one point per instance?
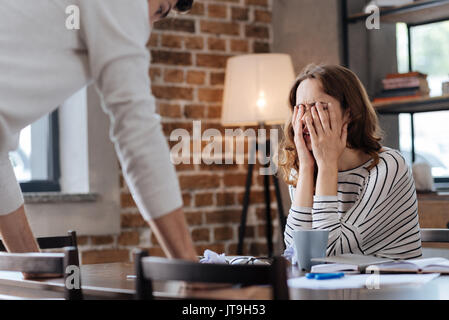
(301, 111)
(311, 128)
(299, 139)
(344, 133)
(295, 123)
(295, 113)
(317, 122)
(335, 122)
(324, 115)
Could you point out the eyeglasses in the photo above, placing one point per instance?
(310, 105)
(251, 260)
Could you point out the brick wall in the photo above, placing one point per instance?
(189, 54)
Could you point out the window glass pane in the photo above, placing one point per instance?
(402, 47)
(405, 136)
(431, 142)
(30, 160)
(429, 52)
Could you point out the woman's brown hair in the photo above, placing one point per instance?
(363, 130)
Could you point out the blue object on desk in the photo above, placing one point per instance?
(325, 276)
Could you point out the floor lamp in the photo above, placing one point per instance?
(256, 94)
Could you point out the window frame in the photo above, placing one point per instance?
(52, 184)
(440, 182)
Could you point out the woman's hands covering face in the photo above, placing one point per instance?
(328, 133)
(306, 159)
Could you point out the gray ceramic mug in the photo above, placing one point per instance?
(309, 244)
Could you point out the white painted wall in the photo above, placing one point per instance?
(88, 164)
(308, 30)
(74, 157)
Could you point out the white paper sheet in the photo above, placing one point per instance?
(370, 281)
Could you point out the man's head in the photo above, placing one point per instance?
(159, 9)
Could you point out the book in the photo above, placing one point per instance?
(389, 84)
(349, 262)
(406, 75)
(391, 3)
(388, 99)
(403, 86)
(398, 92)
(426, 265)
(335, 267)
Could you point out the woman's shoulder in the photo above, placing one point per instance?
(390, 155)
(392, 161)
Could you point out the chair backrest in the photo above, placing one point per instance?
(150, 269)
(53, 242)
(38, 263)
(434, 235)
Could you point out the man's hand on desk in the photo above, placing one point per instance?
(18, 237)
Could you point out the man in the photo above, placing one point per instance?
(42, 63)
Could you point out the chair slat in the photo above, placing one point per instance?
(32, 262)
(150, 269)
(434, 235)
(165, 270)
(52, 263)
(53, 242)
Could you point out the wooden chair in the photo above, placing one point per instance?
(150, 269)
(38, 262)
(435, 235)
(53, 242)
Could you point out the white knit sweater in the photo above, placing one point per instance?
(42, 63)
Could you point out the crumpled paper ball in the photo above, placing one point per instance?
(290, 254)
(210, 256)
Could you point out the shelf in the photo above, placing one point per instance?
(418, 12)
(426, 104)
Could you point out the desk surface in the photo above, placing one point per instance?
(109, 281)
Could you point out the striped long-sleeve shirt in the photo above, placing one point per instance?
(374, 213)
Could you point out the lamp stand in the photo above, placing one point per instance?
(246, 202)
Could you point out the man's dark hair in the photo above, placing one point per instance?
(183, 5)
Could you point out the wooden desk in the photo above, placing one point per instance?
(109, 281)
(99, 281)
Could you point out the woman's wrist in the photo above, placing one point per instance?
(306, 168)
(327, 180)
(328, 166)
(304, 189)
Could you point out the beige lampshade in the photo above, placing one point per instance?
(256, 89)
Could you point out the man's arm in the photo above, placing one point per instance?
(17, 237)
(173, 236)
(171, 231)
(16, 232)
(115, 34)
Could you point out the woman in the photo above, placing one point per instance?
(42, 63)
(340, 176)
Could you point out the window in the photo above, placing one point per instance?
(36, 161)
(424, 48)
